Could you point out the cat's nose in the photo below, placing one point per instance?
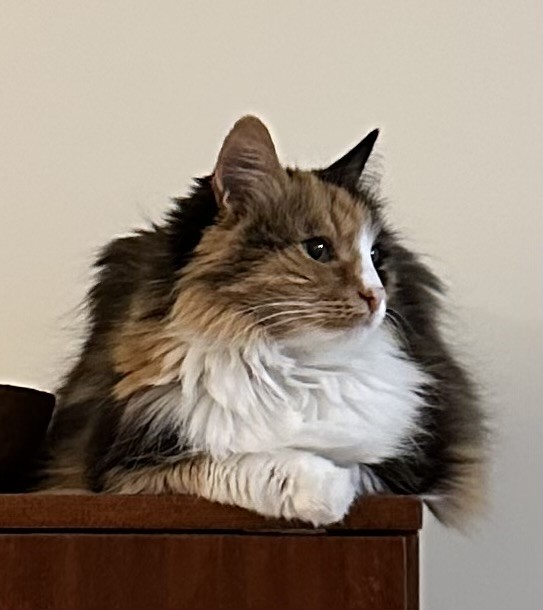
(373, 297)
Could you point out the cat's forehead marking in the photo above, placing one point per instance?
(370, 277)
(329, 204)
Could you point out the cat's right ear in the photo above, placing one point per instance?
(247, 166)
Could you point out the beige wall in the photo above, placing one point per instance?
(107, 108)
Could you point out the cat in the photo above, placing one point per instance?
(273, 345)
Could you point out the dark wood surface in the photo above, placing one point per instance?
(37, 511)
(173, 552)
(257, 572)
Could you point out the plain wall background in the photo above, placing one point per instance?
(108, 108)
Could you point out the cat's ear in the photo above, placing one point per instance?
(347, 171)
(247, 166)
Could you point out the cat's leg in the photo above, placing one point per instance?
(289, 483)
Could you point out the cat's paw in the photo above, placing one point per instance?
(319, 491)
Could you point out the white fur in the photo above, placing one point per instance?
(351, 398)
(288, 425)
(370, 277)
(287, 483)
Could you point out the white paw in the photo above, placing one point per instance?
(319, 491)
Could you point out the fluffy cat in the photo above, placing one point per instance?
(271, 344)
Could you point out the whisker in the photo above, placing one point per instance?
(398, 319)
(307, 316)
(329, 305)
(305, 309)
(304, 316)
(273, 315)
(277, 304)
(399, 323)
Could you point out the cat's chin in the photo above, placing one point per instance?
(322, 337)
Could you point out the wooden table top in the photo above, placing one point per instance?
(142, 512)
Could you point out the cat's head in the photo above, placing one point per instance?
(289, 251)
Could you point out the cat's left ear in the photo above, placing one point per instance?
(346, 172)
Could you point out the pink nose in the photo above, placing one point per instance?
(373, 297)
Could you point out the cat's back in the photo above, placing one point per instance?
(131, 271)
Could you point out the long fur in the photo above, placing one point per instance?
(195, 378)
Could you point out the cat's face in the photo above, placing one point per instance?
(290, 253)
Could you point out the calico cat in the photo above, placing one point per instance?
(271, 344)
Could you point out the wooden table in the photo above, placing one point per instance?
(155, 552)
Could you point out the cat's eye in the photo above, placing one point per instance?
(318, 249)
(376, 256)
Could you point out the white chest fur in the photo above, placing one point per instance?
(352, 400)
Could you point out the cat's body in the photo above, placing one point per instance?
(235, 354)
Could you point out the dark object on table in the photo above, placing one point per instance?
(24, 416)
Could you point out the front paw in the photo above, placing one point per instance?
(319, 491)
